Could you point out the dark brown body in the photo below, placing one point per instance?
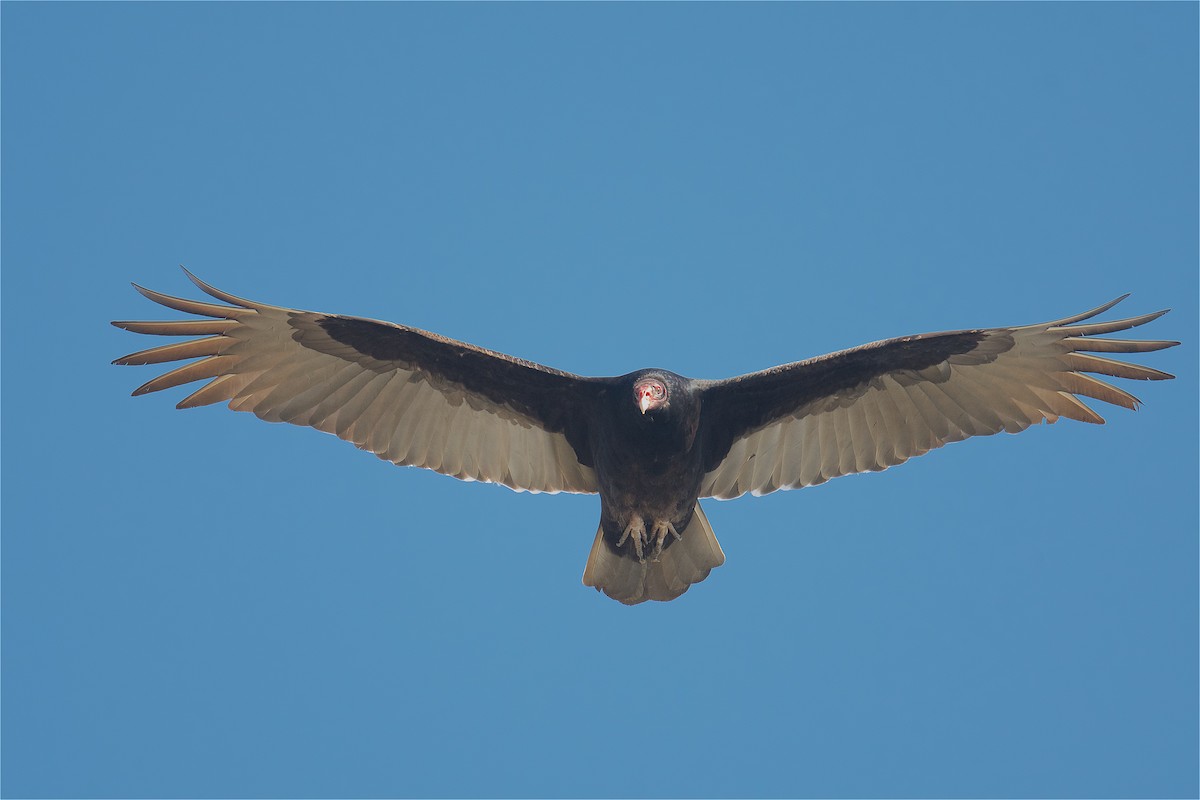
(648, 465)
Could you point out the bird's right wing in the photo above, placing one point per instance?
(408, 396)
(878, 405)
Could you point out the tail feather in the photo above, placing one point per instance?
(683, 563)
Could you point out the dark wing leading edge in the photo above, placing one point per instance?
(408, 396)
(878, 405)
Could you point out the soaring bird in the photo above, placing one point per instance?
(651, 443)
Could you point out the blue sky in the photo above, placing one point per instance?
(200, 604)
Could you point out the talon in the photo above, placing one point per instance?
(635, 530)
(661, 529)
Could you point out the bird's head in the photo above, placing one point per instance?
(650, 394)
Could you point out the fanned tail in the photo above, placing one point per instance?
(681, 564)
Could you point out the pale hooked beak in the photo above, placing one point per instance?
(644, 402)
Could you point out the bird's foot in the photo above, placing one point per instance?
(661, 529)
(635, 530)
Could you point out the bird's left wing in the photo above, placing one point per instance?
(408, 396)
(874, 406)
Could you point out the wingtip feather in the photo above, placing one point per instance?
(1097, 328)
(213, 291)
(1088, 314)
(190, 306)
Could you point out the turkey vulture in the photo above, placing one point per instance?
(651, 443)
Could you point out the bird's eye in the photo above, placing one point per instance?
(658, 390)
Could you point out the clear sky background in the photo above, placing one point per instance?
(200, 604)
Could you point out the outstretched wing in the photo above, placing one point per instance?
(408, 396)
(874, 406)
